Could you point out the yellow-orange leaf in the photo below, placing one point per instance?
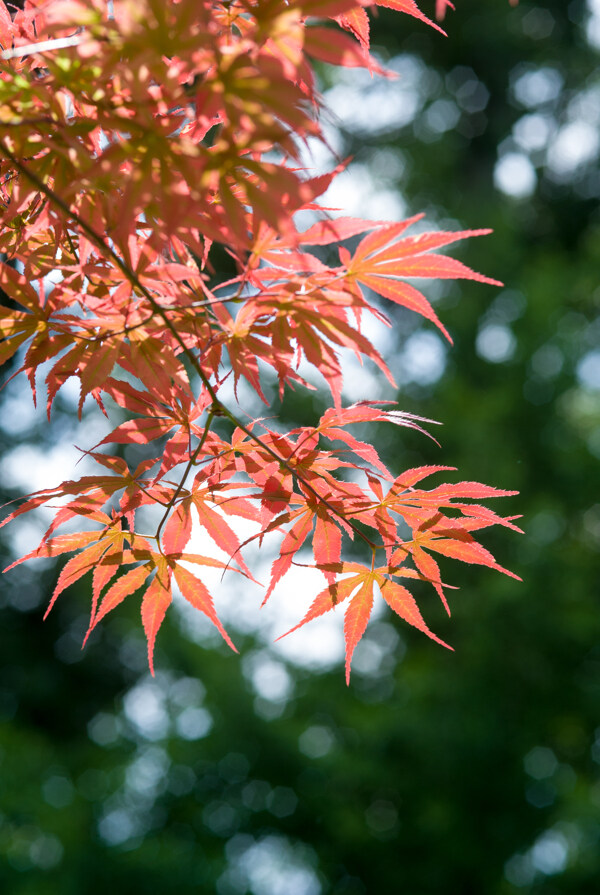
(157, 600)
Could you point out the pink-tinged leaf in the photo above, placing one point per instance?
(428, 567)
(470, 490)
(340, 332)
(328, 599)
(381, 261)
(412, 476)
(481, 517)
(63, 369)
(403, 294)
(402, 602)
(84, 506)
(292, 542)
(104, 572)
(126, 585)
(367, 412)
(97, 365)
(36, 500)
(178, 529)
(58, 545)
(327, 541)
(336, 230)
(421, 243)
(469, 552)
(363, 450)
(338, 48)
(356, 21)
(343, 567)
(291, 261)
(154, 363)
(139, 431)
(141, 549)
(198, 560)
(116, 464)
(440, 8)
(411, 8)
(377, 240)
(386, 526)
(239, 506)
(41, 350)
(10, 347)
(125, 395)
(19, 288)
(356, 620)
(440, 267)
(220, 531)
(143, 467)
(196, 593)
(155, 603)
(375, 485)
(75, 568)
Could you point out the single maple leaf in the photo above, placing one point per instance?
(359, 589)
(382, 262)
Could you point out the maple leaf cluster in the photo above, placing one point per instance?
(133, 137)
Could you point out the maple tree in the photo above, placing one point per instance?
(133, 138)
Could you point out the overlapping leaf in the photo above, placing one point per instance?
(135, 138)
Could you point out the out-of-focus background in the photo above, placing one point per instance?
(476, 772)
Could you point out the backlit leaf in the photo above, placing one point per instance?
(196, 593)
(401, 601)
(356, 620)
(155, 603)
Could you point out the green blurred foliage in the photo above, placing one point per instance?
(471, 772)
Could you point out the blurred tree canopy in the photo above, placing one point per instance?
(472, 772)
